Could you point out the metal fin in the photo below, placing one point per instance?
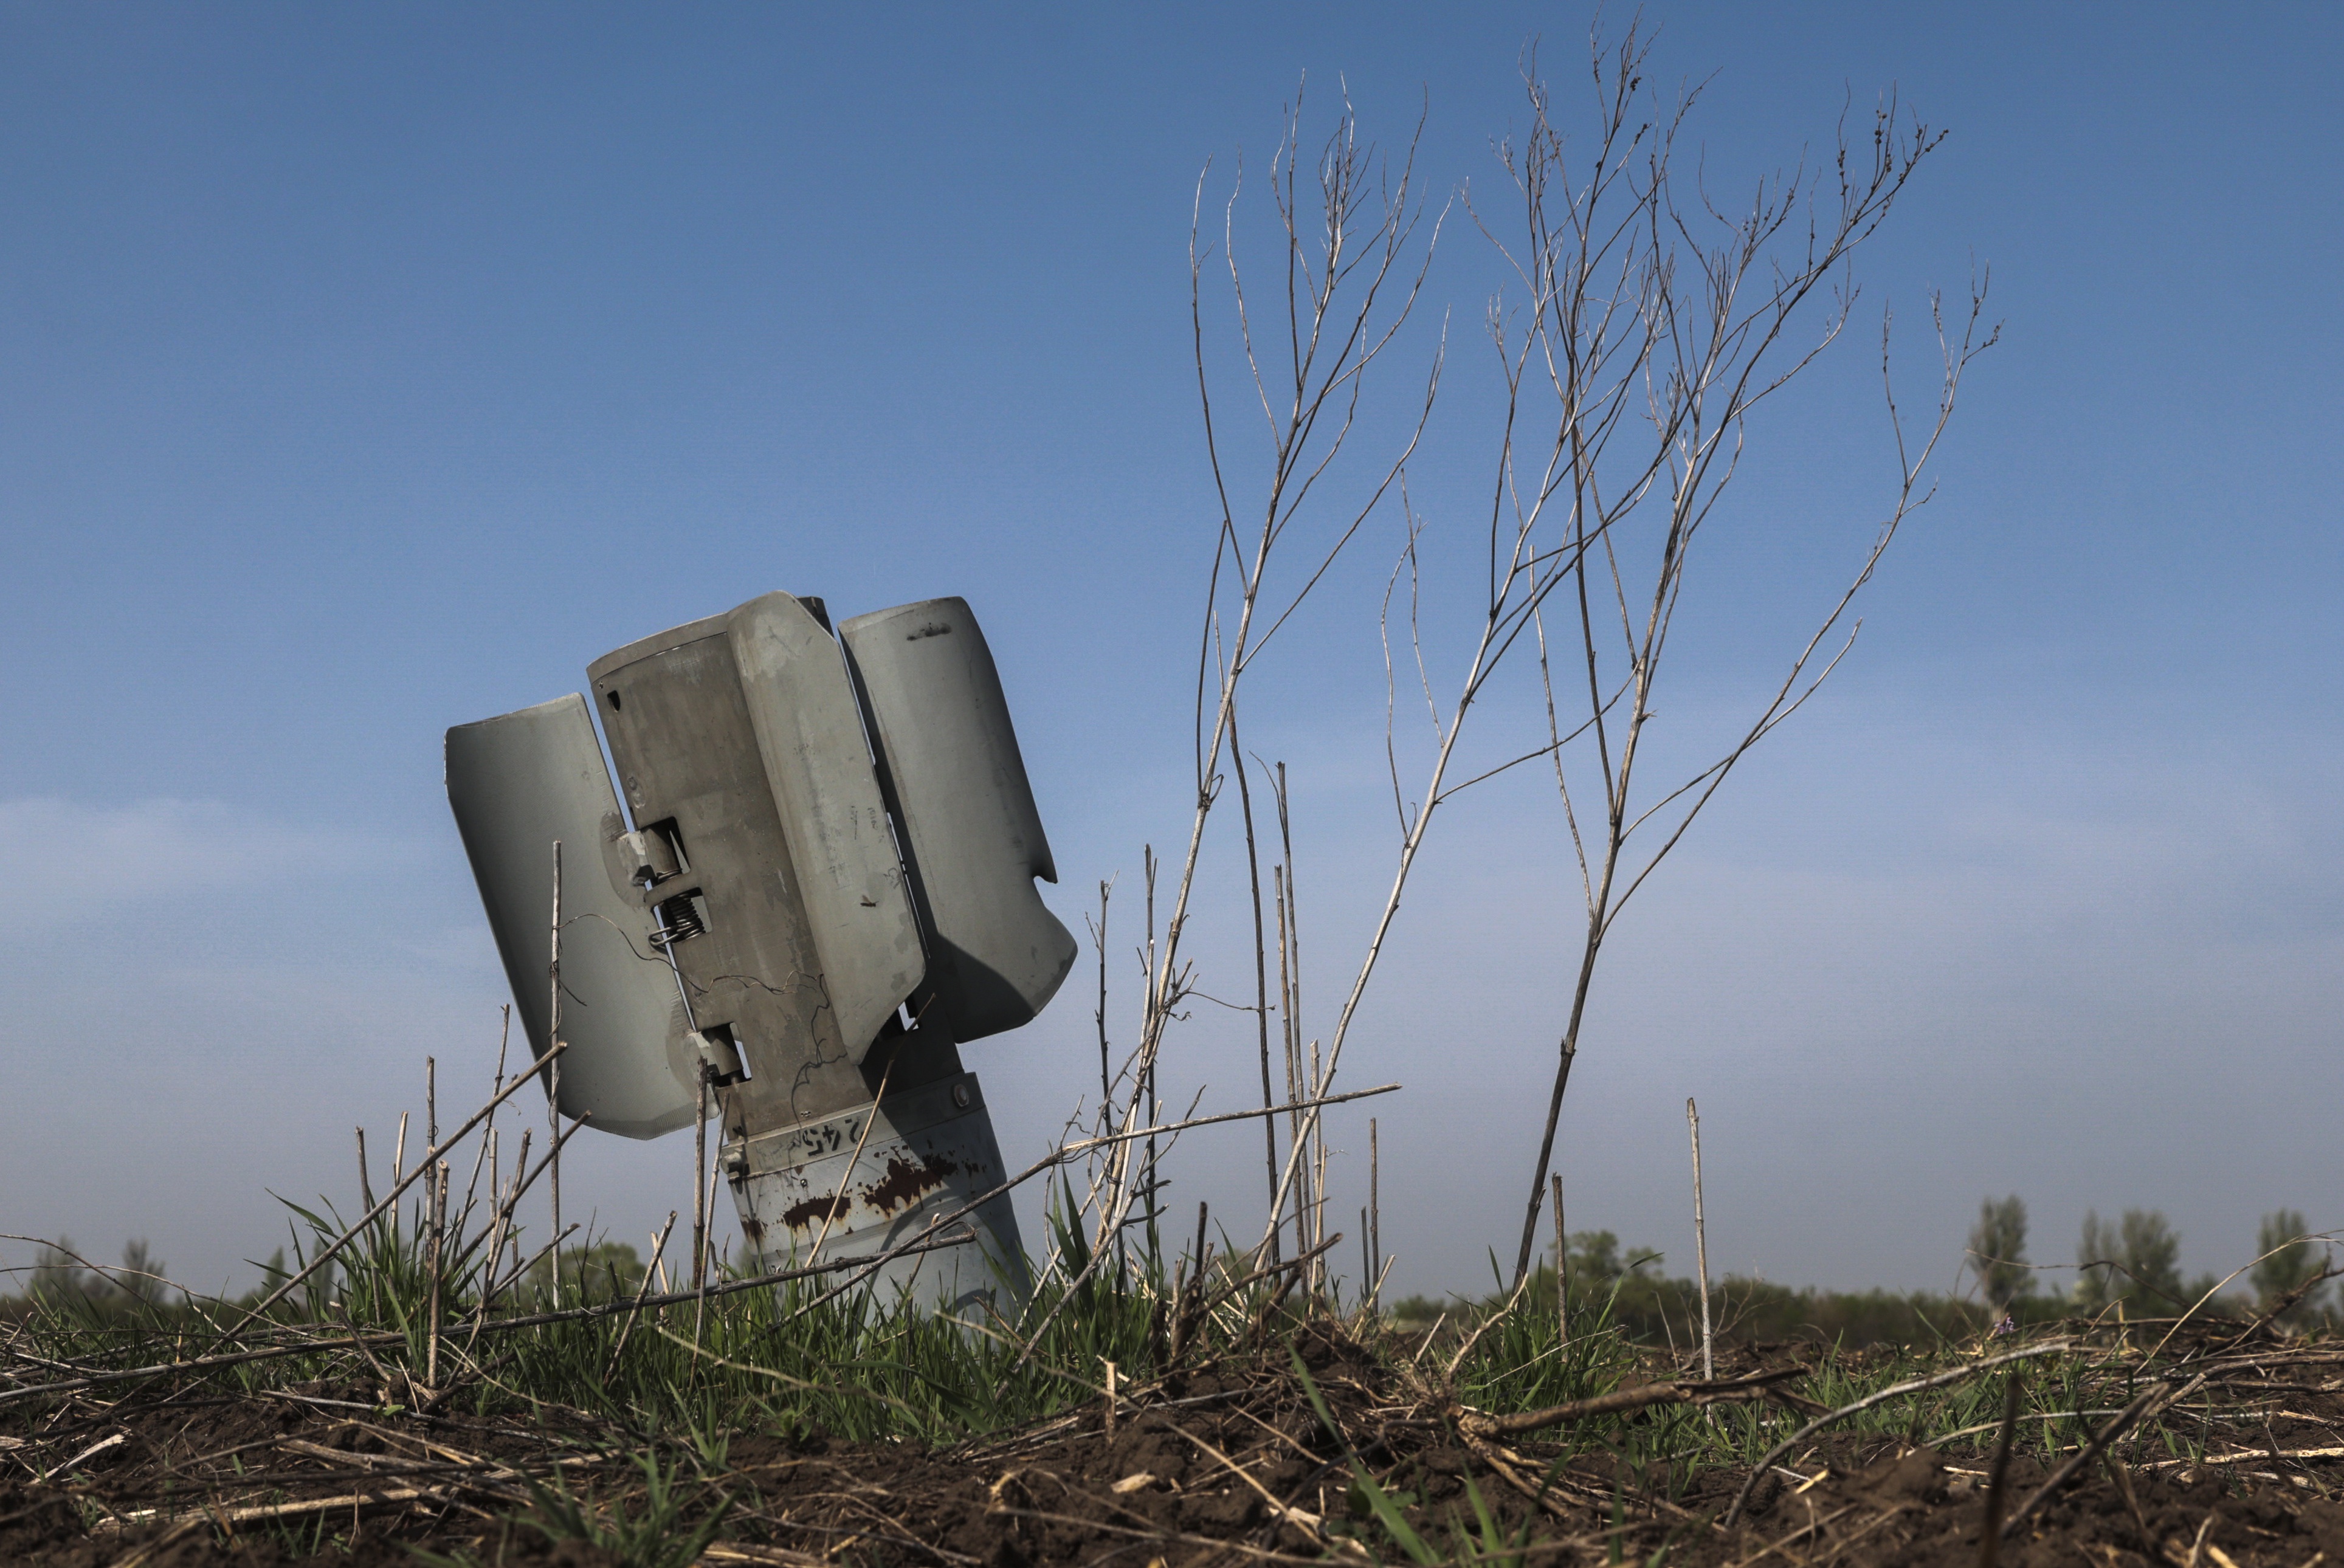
(949, 763)
(810, 736)
(517, 783)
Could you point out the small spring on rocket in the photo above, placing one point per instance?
(679, 919)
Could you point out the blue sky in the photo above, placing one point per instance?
(368, 371)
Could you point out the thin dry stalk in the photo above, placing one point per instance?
(1310, 1200)
(698, 1167)
(1700, 1240)
(1478, 1423)
(1098, 944)
(334, 1248)
(1375, 1218)
(1078, 1150)
(553, 1095)
(838, 1199)
(1881, 1396)
(438, 1200)
(1562, 1274)
(2000, 1471)
(706, 1264)
(1260, 965)
(1698, 344)
(2149, 1406)
(1639, 311)
(487, 1152)
(642, 1289)
(1294, 1090)
(1344, 248)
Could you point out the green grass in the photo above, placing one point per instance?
(798, 1359)
(661, 1398)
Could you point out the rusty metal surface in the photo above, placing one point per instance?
(973, 837)
(872, 1178)
(516, 784)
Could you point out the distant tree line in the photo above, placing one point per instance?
(2130, 1264)
(2134, 1264)
(63, 1279)
(62, 1276)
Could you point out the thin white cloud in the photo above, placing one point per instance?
(99, 858)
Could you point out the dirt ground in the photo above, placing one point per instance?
(1225, 1463)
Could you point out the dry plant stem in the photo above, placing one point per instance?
(708, 1267)
(838, 1199)
(2123, 1477)
(1699, 1243)
(1562, 1273)
(521, 1267)
(1060, 1155)
(1098, 943)
(1881, 1396)
(1148, 1072)
(1337, 327)
(1449, 1373)
(2217, 1287)
(485, 1155)
(2279, 1308)
(522, 1182)
(1073, 1151)
(1294, 1090)
(366, 1188)
(487, 1152)
(501, 1216)
(659, 1249)
(1260, 960)
(259, 1511)
(500, 1222)
(553, 1092)
(438, 1201)
(1731, 1390)
(1269, 1272)
(1289, 971)
(525, 1178)
(1117, 1187)
(1695, 324)
(1318, 1175)
(1375, 1217)
(699, 1165)
(2013, 1387)
(2147, 1406)
(334, 1248)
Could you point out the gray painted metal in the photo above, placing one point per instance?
(517, 783)
(680, 729)
(972, 838)
(814, 835)
(810, 735)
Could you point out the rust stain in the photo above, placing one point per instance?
(905, 1183)
(815, 1211)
